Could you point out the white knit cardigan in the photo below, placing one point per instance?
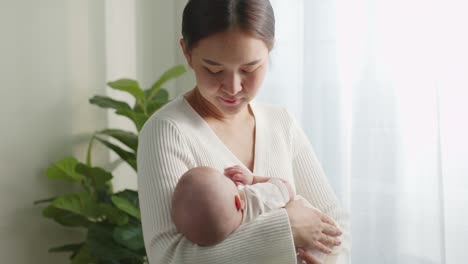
(176, 139)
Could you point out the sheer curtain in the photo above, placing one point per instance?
(381, 89)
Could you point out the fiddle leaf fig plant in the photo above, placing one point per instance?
(111, 220)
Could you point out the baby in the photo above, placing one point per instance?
(208, 206)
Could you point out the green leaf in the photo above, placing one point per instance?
(161, 98)
(64, 217)
(67, 248)
(138, 109)
(78, 203)
(129, 236)
(102, 245)
(129, 86)
(88, 151)
(98, 176)
(106, 102)
(129, 157)
(126, 206)
(84, 256)
(83, 205)
(129, 139)
(172, 73)
(64, 169)
(131, 196)
(138, 119)
(113, 215)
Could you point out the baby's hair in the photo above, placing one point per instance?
(194, 218)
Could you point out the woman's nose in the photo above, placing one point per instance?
(232, 84)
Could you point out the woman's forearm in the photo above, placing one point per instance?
(267, 239)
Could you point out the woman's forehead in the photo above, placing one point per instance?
(230, 48)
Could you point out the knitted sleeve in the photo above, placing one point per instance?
(312, 184)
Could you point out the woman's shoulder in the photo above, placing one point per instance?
(172, 110)
(273, 113)
(174, 113)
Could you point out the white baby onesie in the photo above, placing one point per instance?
(264, 197)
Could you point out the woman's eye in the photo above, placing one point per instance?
(213, 71)
(250, 70)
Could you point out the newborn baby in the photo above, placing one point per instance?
(208, 206)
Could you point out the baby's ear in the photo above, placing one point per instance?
(239, 203)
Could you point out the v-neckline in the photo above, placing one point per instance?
(210, 131)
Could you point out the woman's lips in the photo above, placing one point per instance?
(230, 101)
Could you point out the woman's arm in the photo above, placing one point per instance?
(163, 156)
(312, 184)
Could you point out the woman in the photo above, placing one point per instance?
(227, 44)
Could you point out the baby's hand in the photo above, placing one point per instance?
(239, 175)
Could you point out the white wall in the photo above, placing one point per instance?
(159, 29)
(51, 61)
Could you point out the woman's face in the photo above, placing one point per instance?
(229, 68)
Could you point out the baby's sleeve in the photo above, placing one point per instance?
(273, 194)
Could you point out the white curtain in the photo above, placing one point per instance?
(381, 88)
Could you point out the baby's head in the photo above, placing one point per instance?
(206, 206)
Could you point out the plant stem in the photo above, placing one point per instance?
(143, 106)
(45, 200)
(88, 154)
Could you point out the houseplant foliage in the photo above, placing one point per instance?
(110, 219)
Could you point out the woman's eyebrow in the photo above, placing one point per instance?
(214, 63)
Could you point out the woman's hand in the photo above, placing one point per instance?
(312, 229)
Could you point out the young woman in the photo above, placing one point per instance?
(227, 45)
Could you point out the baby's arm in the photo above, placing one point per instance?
(260, 179)
(240, 175)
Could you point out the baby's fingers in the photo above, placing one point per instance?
(228, 171)
(240, 178)
(233, 168)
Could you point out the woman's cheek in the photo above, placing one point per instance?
(207, 82)
(255, 81)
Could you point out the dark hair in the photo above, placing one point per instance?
(203, 18)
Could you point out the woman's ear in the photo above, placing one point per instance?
(239, 202)
(187, 55)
